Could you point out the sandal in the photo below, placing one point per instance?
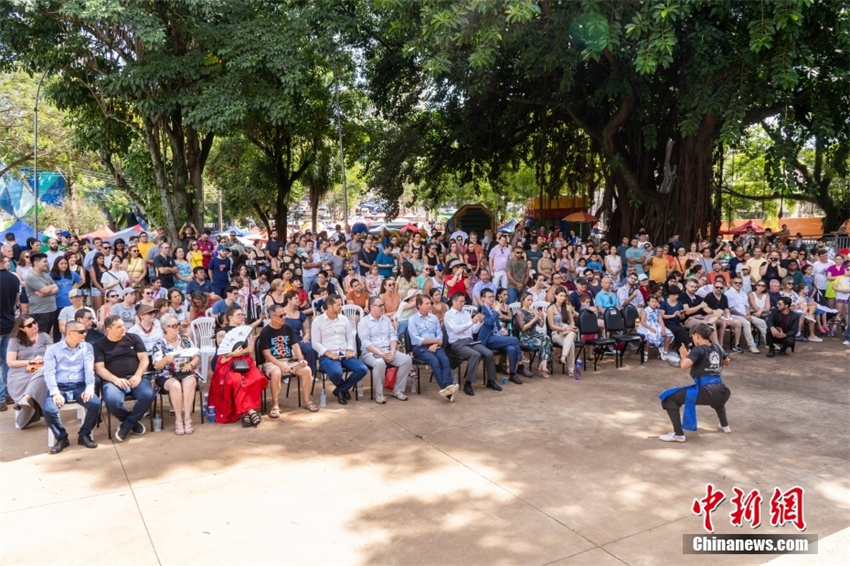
(256, 419)
(544, 372)
(275, 412)
(187, 426)
(246, 420)
(178, 428)
(310, 406)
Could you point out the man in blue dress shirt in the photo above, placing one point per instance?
(426, 336)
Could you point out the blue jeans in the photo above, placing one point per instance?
(4, 367)
(439, 363)
(309, 355)
(507, 344)
(308, 281)
(114, 399)
(334, 370)
(51, 411)
(513, 295)
(846, 337)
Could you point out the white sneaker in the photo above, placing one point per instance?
(846, 343)
(663, 355)
(810, 317)
(726, 429)
(399, 395)
(755, 350)
(645, 357)
(815, 339)
(379, 399)
(672, 437)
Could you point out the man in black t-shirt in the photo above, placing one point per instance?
(696, 310)
(165, 266)
(280, 354)
(120, 360)
(717, 301)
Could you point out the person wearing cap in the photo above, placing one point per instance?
(126, 309)
(147, 328)
(743, 271)
(457, 281)
(580, 291)
(66, 315)
(120, 360)
(220, 267)
(436, 281)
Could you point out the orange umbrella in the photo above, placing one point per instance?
(580, 217)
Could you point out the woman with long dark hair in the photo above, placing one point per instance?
(95, 273)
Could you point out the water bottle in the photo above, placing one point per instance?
(360, 389)
(323, 399)
(504, 380)
(579, 365)
(414, 379)
(203, 410)
(69, 396)
(206, 399)
(211, 414)
(157, 423)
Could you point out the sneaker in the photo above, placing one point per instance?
(379, 399)
(802, 338)
(121, 434)
(754, 350)
(663, 355)
(846, 343)
(139, 429)
(672, 437)
(645, 357)
(400, 396)
(727, 429)
(737, 349)
(815, 339)
(810, 317)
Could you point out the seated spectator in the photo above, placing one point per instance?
(654, 331)
(322, 283)
(333, 340)
(66, 315)
(236, 395)
(86, 318)
(718, 302)
(559, 317)
(199, 282)
(281, 355)
(358, 295)
(25, 359)
(126, 309)
(112, 298)
(147, 328)
(231, 296)
(69, 376)
(199, 302)
(493, 339)
(530, 322)
(782, 326)
(120, 360)
(484, 282)
(297, 321)
(379, 349)
(426, 337)
(176, 373)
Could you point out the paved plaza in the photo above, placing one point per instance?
(548, 472)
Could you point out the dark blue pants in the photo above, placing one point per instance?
(309, 355)
(439, 363)
(51, 411)
(508, 345)
(114, 399)
(334, 370)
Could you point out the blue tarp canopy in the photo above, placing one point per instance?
(359, 227)
(22, 231)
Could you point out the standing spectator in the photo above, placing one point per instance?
(165, 266)
(220, 267)
(499, 257)
(517, 272)
(42, 291)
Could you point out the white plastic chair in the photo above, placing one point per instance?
(353, 313)
(203, 333)
(209, 313)
(515, 308)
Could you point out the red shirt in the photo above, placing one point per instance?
(208, 246)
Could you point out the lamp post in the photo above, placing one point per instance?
(341, 152)
(35, 153)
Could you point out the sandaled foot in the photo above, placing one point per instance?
(187, 426)
(275, 412)
(178, 428)
(256, 419)
(310, 406)
(246, 420)
(544, 373)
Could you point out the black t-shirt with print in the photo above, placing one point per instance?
(279, 341)
(707, 359)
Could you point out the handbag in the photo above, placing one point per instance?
(240, 366)
(390, 377)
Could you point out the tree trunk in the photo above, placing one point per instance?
(163, 187)
(693, 193)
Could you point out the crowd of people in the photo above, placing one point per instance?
(84, 319)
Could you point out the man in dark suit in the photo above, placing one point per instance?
(782, 326)
(491, 337)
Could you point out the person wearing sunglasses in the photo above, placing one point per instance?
(176, 372)
(69, 376)
(717, 301)
(25, 359)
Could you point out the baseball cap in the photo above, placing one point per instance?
(74, 293)
(642, 276)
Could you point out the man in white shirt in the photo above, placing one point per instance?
(821, 266)
(379, 348)
(739, 309)
(332, 337)
(460, 327)
(499, 257)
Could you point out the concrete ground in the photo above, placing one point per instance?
(549, 472)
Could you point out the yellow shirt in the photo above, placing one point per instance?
(196, 259)
(144, 249)
(658, 267)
